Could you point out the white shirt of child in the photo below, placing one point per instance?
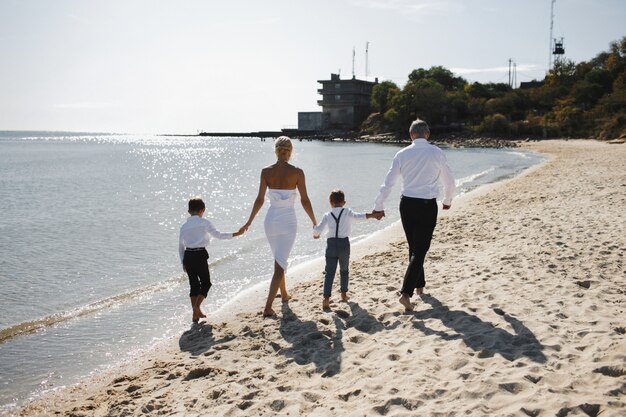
(345, 222)
(196, 232)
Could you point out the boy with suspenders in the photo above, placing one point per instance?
(338, 220)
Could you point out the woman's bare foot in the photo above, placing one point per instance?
(285, 298)
(344, 296)
(406, 302)
(326, 303)
(269, 313)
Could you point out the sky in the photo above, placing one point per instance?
(153, 66)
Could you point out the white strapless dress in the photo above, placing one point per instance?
(281, 224)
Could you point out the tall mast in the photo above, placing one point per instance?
(551, 27)
(367, 48)
(353, 54)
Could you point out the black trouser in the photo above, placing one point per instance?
(197, 269)
(419, 217)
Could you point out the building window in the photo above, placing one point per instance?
(337, 85)
(337, 97)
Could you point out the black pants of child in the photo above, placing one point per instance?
(197, 268)
(419, 218)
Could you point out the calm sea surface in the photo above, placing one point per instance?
(89, 268)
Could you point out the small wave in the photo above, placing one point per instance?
(473, 177)
(520, 154)
(34, 326)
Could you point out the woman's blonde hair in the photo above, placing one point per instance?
(283, 143)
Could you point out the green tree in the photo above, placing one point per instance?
(440, 75)
(425, 99)
(383, 95)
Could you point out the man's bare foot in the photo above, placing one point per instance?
(406, 302)
(269, 313)
(326, 303)
(344, 296)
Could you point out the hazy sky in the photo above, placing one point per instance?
(150, 66)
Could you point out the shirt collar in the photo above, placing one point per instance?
(419, 141)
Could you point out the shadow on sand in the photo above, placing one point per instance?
(310, 345)
(199, 339)
(362, 320)
(482, 337)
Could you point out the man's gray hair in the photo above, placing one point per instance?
(419, 128)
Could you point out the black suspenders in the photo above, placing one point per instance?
(337, 222)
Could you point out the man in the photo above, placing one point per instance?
(422, 167)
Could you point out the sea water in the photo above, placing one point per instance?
(89, 268)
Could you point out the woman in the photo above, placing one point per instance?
(282, 181)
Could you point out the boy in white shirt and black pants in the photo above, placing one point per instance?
(338, 220)
(195, 235)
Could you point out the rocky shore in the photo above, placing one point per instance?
(460, 140)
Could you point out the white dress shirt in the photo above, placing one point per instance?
(422, 167)
(345, 222)
(196, 232)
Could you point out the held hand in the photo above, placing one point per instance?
(378, 214)
(446, 206)
(240, 232)
(316, 237)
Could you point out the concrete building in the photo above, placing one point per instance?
(346, 101)
(345, 104)
(313, 121)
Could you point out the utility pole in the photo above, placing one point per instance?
(367, 48)
(514, 75)
(550, 43)
(353, 54)
(509, 72)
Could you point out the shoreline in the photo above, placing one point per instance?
(331, 356)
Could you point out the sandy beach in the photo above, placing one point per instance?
(523, 316)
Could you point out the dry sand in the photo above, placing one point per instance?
(524, 317)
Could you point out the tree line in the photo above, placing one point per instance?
(586, 99)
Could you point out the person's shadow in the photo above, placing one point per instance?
(482, 337)
(310, 345)
(199, 339)
(362, 320)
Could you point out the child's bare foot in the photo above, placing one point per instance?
(326, 303)
(406, 302)
(201, 314)
(269, 313)
(195, 317)
(344, 296)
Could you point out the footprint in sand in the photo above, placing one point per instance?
(612, 371)
(533, 379)
(277, 405)
(346, 396)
